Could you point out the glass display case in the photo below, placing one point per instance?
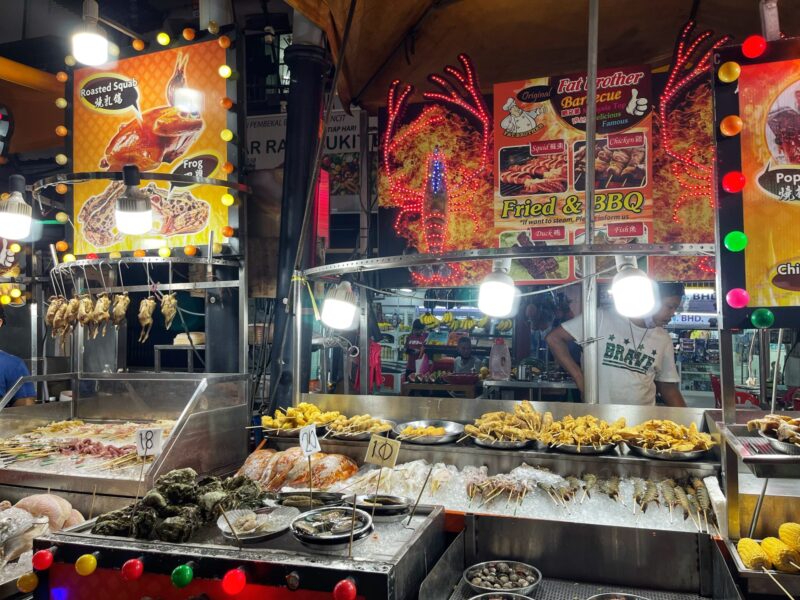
(85, 449)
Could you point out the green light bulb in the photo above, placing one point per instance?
(762, 318)
(182, 576)
(735, 241)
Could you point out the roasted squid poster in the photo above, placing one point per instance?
(161, 112)
(540, 165)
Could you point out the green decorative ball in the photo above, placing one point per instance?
(182, 576)
(735, 241)
(762, 318)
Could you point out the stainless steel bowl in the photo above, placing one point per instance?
(453, 431)
(588, 450)
(363, 527)
(501, 596)
(616, 596)
(666, 454)
(391, 510)
(498, 445)
(530, 590)
(361, 435)
(779, 446)
(327, 498)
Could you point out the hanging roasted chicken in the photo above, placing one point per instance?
(55, 303)
(146, 308)
(161, 135)
(101, 315)
(169, 308)
(120, 309)
(85, 312)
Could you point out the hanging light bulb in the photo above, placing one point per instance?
(90, 44)
(632, 290)
(498, 296)
(339, 308)
(133, 214)
(15, 213)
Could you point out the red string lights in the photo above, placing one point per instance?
(451, 184)
(687, 66)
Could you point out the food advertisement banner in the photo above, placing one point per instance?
(139, 112)
(540, 166)
(765, 263)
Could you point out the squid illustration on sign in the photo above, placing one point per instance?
(159, 135)
(451, 182)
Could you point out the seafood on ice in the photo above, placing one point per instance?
(17, 530)
(289, 468)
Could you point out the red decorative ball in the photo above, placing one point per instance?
(132, 569)
(345, 590)
(42, 560)
(754, 46)
(733, 182)
(92, 256)
(234, 582)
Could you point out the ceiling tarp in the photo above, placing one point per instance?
(512, 39)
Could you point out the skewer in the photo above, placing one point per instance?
(419, 497)
(91, 507)
(795, 565)
(778, 583)
(233, 531)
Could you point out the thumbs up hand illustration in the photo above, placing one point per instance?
(637, 106)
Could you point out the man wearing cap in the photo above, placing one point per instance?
(519, 122)
(636, 357)
(11, 369)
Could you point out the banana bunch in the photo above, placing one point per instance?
(463, 324)
(447, 318)
(504, 325)
(482, 322)
(429, 320)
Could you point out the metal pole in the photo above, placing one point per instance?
(590, 354)
(730, 462)
(770, 20)
(297, 347)
(364, 249)
(763, 364)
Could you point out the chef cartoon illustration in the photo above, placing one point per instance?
(520, 122)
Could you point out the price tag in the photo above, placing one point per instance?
(382, 451)
(309, 442)
(148, 442)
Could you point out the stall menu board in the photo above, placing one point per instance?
(540, 166)
(128, 113)
(766, 96)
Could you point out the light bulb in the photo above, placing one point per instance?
(90, 46)
(15, 213)
(133, 213)
(339, 308)
(497, 295)
(632, 290)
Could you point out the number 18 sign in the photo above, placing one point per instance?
(148, 442)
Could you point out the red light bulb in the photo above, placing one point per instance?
(234, 581)
(132, 569)
(754, 46)
(92, 256)
(43, 560)
(345, 590)
(733, 182)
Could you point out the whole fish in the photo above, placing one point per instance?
(17, 530)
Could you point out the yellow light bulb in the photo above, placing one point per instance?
(68, 258)
(216, 248)
(28, 583)
(227, 199)
(164, 252)
(729, 72)
(86, 564)
(225, 71)
(163, 38)
(16, 293)
(61, 159)
(115, 254)
(15, 247)
(226, 135)
(5, 299)
(62, 217)
(61, 102)
(69, 60)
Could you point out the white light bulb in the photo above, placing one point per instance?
(90, 48)
(633, 293)
(15, 217)
(188, 101)
(338, 314)
(134, 223)
(497, 295)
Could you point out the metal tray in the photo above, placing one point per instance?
(398, 504)
(360, 436)
(529, 591)
(779, 446)
(498, 595)
(587, 450)
(758, 582)
(362, 529)
(290, 433)
(666, 454)
(616, 596)
(498, 445)
(453, 431)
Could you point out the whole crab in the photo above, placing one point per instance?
(158, 135)
(451, 185)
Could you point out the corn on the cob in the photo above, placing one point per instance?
(780, 555)
(752, 555)
(790, 535)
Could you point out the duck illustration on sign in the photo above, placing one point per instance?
(520, 122)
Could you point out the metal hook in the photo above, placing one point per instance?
(121, 281)
(102, 277)
(86, 279)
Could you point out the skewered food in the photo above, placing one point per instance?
(581, 431)
(666, 436)
(120, 309)
(298, 416)
(146, 308)
(358, 424)
(429, 431)
(523, 425)
(169, 308)
(753, 555)
(101, 315)
(785, 428)
(780, 555)
(789, 533)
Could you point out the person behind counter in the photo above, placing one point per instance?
(636, 355)
(415, 345)
(465, 362)
(11, 369)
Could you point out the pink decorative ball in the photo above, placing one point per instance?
(737, 298)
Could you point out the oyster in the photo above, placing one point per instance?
(154, 499)
(144, 522)
(177, 530)
(178, 486)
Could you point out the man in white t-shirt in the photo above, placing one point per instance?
(636, 355)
